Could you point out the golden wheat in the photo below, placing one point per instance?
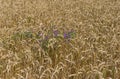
(59, 39)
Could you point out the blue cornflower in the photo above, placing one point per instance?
(66, 35)
(56, 32)
(69, 34)
(46, 37)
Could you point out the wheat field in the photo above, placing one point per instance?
(59, 39)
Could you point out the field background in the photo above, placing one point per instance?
(94, 52)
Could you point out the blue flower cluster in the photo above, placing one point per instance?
(43, 38)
